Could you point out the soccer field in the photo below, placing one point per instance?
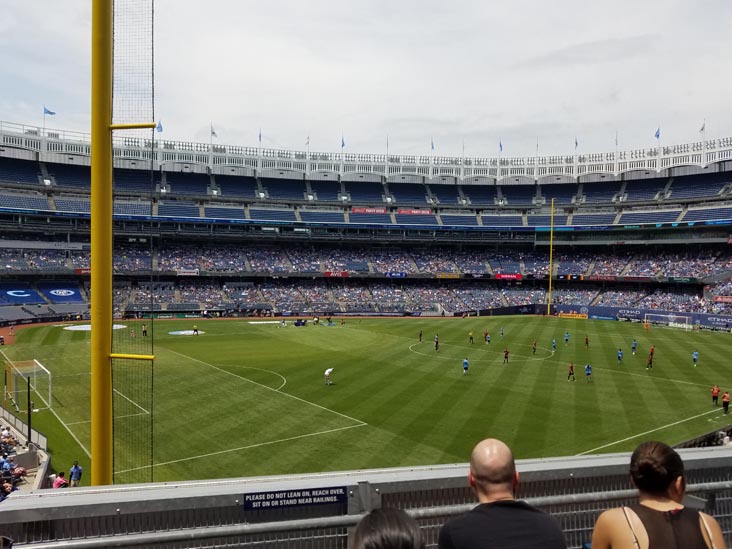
(248, 398)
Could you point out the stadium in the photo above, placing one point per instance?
(241, 273)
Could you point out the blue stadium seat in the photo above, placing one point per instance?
(310, 216)
(189, 184)
(502, 220)
(216, 212)
(24, 201)
(407, 219)
(365, 192)
(601, 192)
(373, 219)
(703, 214)
(60, 292)
(649, 217)
(231, 185)
(68, 175)
(593, 219)
(518, 194)
(272, 215)
(284, 189)
(133, 181)
(326, 191)
(19, 171)
(446, 194)
(699, 186)
(72, 205)
(481, 195)
(644, 190)
(545, 220)
(459, 220)
(408, 193)
(561, 193)
(178, 209)
(132, 208)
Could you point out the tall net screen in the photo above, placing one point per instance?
(134, 186)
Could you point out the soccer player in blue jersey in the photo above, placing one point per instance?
(620, 356)
(695, 357)
(554, 345)
(588, 372)
(465, 366)
(634, 346)
(501, 332)
(488, 338)
(566, 338)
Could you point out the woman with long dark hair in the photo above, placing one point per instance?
(659, 519)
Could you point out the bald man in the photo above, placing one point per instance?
(499, 521)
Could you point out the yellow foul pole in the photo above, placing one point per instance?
(551, 261)
(101, 243)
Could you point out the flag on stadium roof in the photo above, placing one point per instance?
(703, 127)
(260, 137)
(307, 141)
(500, 146)
(576, 143)
(432, 143)
(159, 127)
(658, 133)
(48, 111)
(343, 141)
(213, 132)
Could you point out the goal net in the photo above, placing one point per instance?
(17, 377)
(674, 320)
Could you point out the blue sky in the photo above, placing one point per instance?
(456, 72)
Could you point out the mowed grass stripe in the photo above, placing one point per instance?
(419, 407)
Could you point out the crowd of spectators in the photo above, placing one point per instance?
(290, 258)
(524, 296)
(674, 301)
(611, 264)
(574, 296)
(393, 260)
(620, 298)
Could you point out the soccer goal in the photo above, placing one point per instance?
(18, 375)
(673, 321)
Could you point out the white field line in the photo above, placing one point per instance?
(249, 447)
(647, 432)
(116, 417)
(268, 388)
(131, 401)
(283, 378)
(61, 421)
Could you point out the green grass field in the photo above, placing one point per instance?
(248, 398)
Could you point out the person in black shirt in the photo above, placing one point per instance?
(499, 521)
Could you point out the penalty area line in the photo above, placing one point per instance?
(128, 399)
(647, 432)
(249, 447)
(358, 421)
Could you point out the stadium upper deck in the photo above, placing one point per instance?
(685, 185)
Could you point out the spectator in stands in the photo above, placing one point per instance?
(75, 473)
(387, 529)
(659, 519)
(61, 481)
(499, 520)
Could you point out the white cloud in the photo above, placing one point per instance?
(473, 71)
